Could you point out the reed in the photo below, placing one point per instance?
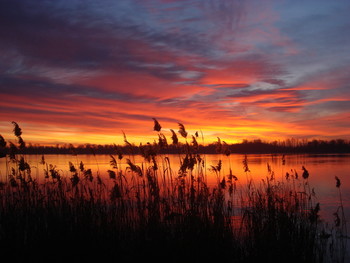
(152, 210)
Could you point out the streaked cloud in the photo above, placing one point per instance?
(84, 71)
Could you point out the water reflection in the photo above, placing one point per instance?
(322, 170)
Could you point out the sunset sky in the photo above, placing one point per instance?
(84, 71)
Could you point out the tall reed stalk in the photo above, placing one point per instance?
(151, 209)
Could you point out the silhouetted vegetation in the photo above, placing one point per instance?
(152, 211)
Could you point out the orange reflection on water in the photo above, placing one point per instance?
(322, 171)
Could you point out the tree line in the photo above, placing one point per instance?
(245, 147)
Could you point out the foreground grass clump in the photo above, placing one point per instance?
(155, 211)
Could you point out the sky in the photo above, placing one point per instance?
(74, 71)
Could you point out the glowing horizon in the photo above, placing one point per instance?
(231, 69)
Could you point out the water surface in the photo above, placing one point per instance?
(322, 170)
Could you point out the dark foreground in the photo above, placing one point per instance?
(165, 214)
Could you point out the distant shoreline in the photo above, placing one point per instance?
(180, 149)
(290, 146)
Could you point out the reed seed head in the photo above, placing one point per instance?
(195, 143)
(112, 174)
(338, 183)
(113, 162)
(88, 175)
(225, 149)
(81, 166)
(118, 151)
(182, 130)
(174, 137)
(2, 142)
(21, 143)
(42, 161)
(157, 126)
(305, 173)
(16, 129)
